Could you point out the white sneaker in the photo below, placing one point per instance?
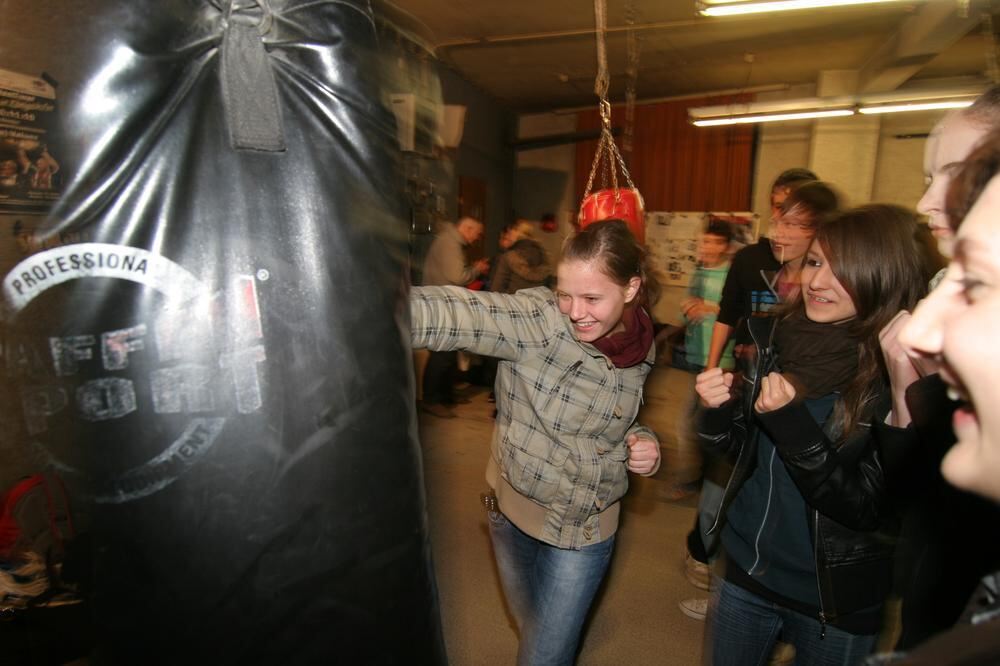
(698, 573)
(694, 608)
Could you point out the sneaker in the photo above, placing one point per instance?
(438, 410)
(694, 608)
(697, 573)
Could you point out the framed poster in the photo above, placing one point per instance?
(31, 176)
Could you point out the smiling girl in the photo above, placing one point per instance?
(956, 325)
(805, 511)
(569, 384)
(954, 329)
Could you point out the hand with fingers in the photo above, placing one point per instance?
(903, 369)
(714, 387)
(775, 393)
(643, 454)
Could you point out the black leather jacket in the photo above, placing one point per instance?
(852, 522)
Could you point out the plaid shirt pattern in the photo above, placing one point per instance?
(563, 409)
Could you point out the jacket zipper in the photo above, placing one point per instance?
(819, 588)
(737, 467)
(725, 493)
(767, 512)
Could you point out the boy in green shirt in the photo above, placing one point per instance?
(702, 305)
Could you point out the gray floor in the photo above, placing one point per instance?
(635, 620)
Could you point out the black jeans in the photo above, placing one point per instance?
(439, 378)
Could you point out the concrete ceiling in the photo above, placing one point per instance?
(540, 55)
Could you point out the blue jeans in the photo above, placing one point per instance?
(743, 628)
(549, 590)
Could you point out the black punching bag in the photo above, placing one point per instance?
(206, 339)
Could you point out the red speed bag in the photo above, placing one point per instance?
(623, 203)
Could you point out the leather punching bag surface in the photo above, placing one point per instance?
(208, 343)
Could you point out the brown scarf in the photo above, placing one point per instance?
(631, 346)
(817, 358)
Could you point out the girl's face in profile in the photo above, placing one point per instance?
(826, 300)
(950, 142)
(593, 301)
(957, 325)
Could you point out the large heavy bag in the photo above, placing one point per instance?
(208, 340)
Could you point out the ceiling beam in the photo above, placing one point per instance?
(492, 40)
(934, 28)
(560, 139)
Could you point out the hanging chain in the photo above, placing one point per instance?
(602, 146)
(607, 141)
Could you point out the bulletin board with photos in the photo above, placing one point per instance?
(672, 239)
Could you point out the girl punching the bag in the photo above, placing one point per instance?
(571, 368)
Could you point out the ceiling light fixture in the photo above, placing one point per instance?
(830, 107)
(741, 7)
(771, 117)
(916, 106)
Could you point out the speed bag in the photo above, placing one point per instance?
(623, 203)
(203, 334)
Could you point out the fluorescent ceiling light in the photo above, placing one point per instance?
(739, 8)
(916, 106)
(826, 107)
(771, 117)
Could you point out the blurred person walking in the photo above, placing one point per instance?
(445, 265)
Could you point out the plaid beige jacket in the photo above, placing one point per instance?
(563, 409)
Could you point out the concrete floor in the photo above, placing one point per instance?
(635, 619)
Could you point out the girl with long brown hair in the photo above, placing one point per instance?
(805, 517)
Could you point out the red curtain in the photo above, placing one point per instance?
(675, 165)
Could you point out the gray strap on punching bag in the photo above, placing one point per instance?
(249, 93)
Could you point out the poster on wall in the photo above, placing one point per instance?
(20, 237)
(672, 239)
(30, 172)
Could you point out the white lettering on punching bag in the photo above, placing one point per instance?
(201, 353)
(183, 388)
(68, 352)
(105, 398)
(45, 270)
(117, 345)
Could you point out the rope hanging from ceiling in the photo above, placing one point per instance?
(612, 202)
